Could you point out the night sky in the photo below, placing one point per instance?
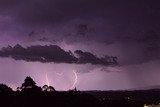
(80, 34)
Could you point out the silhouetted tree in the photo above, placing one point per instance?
(75, 89)
(44, 88)
(5, 88)
(29, 84)
(18, 88)
(48, 88)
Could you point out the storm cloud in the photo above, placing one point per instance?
(54, 53)
(124, 24)
(59, 20)
(95, 31)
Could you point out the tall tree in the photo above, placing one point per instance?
(29, 85)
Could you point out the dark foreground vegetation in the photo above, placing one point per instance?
(136, 98)
(31, 95)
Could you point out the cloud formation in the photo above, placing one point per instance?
(54, 53)
(87, 57)
(106, 18)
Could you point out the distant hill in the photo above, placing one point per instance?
(153, 87)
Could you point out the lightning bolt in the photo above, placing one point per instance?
(75, 80)
(47, 80)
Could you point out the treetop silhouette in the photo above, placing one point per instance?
(28, 83)
(48, 88)
(5, 89)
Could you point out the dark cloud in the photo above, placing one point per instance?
(50, 53)
(108, 18)
(103, 22)
(152, 39)
(53, 53)
(87, 57)
(49, 12)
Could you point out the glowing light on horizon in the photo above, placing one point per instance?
(47, 80)
(75, 80)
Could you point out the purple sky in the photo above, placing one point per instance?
(127, 29)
